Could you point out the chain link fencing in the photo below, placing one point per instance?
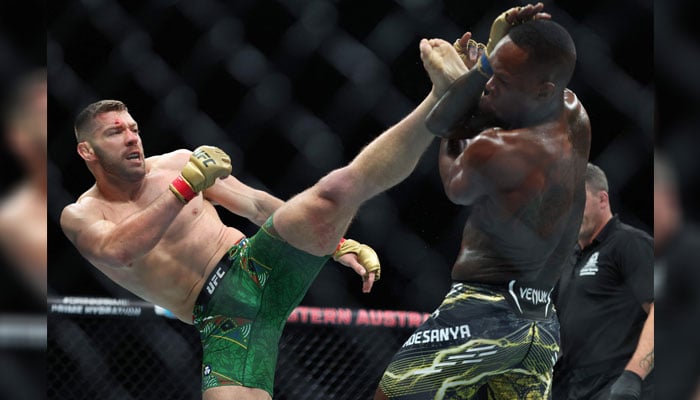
(128, 350)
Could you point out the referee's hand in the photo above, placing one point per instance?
(628, 386)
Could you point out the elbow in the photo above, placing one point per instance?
(459, 193)
(119, 260)
(116, 257)
(265, 206)
(339, 187)
(450, 191)
(460, 198)
(261, 215)
(125, 259)
(453, 196)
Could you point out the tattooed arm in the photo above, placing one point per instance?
(629, 384)
(642, 361)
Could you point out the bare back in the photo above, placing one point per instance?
(525, 219)
(172, 273)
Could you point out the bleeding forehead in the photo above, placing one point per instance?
(113, 119)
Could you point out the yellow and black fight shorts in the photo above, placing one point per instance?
(476, 345)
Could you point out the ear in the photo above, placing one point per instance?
(604, 199)
(86, 151)
(545, 90)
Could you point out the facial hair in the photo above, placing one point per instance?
(116, 166)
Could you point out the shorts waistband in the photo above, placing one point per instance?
(216, 276)
(527, 299)
(494, 287)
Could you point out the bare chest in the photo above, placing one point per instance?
(156, 185)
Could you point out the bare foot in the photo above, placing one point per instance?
(529, 12)
(442, 63)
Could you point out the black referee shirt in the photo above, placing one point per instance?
(599, 298)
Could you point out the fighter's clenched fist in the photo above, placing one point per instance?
(206, 164)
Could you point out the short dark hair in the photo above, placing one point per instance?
(84, 119)
(596, 179)
(548, 44)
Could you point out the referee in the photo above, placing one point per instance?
(604, 299)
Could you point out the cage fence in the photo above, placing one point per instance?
(101, 348)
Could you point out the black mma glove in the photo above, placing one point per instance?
(628, 386)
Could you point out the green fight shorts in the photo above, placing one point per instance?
(243, 306)
(475, 346)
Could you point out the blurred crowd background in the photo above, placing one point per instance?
(294, 88)
(676, 195)
(22, 199)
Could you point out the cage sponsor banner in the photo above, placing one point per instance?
(97, 306)
(357, 317)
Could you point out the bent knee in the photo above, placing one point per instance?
(333, 205)
(315, 220)
(338, 187)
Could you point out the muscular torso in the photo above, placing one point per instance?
(526, 231)
(173, 272)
